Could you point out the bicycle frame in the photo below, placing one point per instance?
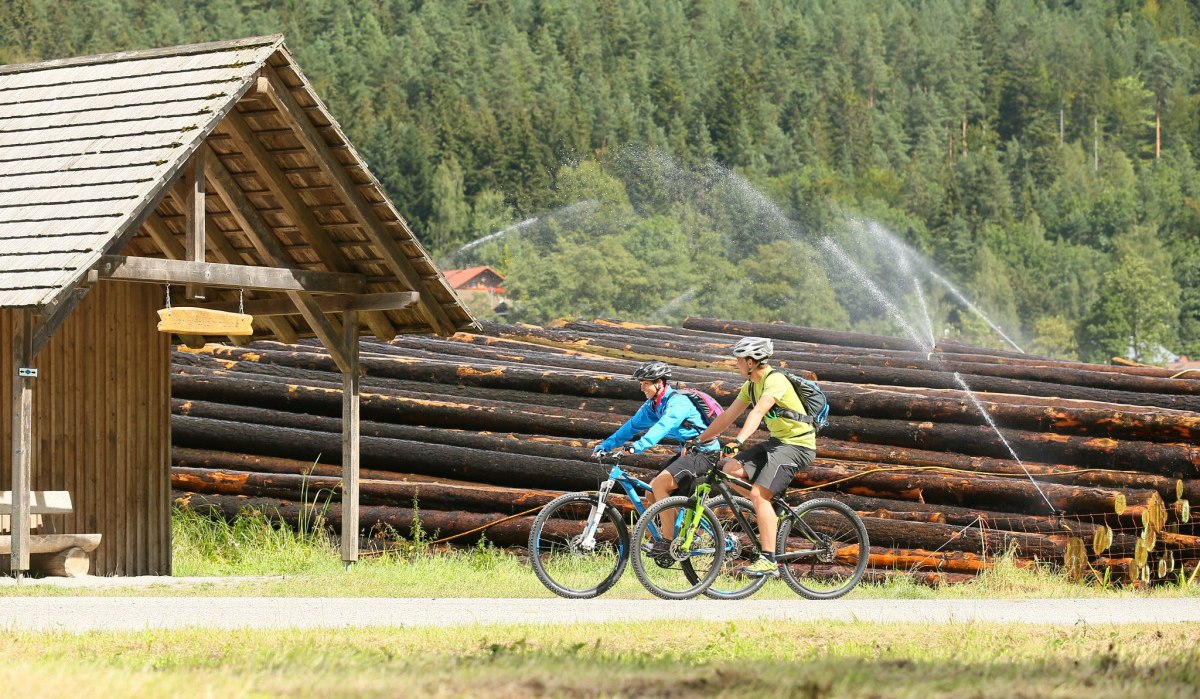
(719, 481)
(631, 485)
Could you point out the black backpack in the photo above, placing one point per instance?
(816, 404)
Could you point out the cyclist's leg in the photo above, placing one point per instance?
(662, 486)
(768, 527)
(735, 468)
(751, 465)
(783, 461)
(683, 471)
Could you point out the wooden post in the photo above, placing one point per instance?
(22, 438)
(350, 438)
(194, 216)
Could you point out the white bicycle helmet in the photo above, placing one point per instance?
(756, 348)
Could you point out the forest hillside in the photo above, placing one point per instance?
(851, 164)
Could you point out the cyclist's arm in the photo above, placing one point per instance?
(761, 408)
(724, 420)
(676, 412)
(641, 420)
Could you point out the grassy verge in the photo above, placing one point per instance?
(287, 563)
(743, 659)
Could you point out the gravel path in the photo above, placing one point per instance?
(136, 613)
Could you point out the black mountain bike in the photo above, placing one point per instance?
(822, 545)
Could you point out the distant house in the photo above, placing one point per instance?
(481, 288)
(475, 279)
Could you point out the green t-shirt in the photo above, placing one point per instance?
(787, 431)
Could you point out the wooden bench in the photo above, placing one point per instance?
(66, 555)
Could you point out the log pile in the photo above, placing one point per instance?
(1087, 467)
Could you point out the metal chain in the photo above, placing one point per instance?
(241, 303)
(168, 297)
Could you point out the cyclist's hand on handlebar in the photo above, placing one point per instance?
(731, 448)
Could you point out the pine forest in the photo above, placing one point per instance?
(1004, 172)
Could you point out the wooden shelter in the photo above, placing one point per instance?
(214, 168)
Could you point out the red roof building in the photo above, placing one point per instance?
(481, 289)
(475, 279)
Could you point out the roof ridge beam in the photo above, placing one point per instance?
(153, 270)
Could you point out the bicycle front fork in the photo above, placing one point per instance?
(588, 542)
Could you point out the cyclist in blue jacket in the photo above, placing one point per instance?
(666, 413)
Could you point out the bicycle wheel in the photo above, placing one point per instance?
(823, 548)
(677, 571)
(565, 563)
(740, 550)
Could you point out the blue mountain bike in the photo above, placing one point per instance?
(579, 543)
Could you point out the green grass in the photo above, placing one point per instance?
(282, 562)
(735, 659)
(731, 659)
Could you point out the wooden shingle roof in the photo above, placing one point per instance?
(91, 155)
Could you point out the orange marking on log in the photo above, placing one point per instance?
(219, 477)
(469, 371)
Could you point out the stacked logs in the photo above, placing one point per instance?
(1085, 466)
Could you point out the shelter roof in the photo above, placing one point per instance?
(93, 153)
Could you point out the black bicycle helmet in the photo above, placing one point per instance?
(756, 348)
(652, 371)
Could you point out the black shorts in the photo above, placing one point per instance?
(687, 470)
(773, 464)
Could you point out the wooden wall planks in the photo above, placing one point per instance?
(101, 425)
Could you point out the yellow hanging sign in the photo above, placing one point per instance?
(203, 321)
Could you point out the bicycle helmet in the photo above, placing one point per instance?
(652, 371)
(756, 348)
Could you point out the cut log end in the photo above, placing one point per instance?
(69, 563)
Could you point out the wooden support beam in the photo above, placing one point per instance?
(267, 245)
(224, 251)
(381, 239)
(157, 228)
(328, 304)
(22, 437)
(49, 324)
(193, 211)
(163, 238)
(268, 172)
(351, 437)
(158, 271)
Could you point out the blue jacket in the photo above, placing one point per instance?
(674, 417)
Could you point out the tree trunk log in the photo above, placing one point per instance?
(397, 455)
(846, 399)
(396, 492)
(392, 406)
(1167, 488)
(983, 491)
(73, 562)
(1175, 460)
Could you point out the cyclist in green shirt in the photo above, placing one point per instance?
(769, 465)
